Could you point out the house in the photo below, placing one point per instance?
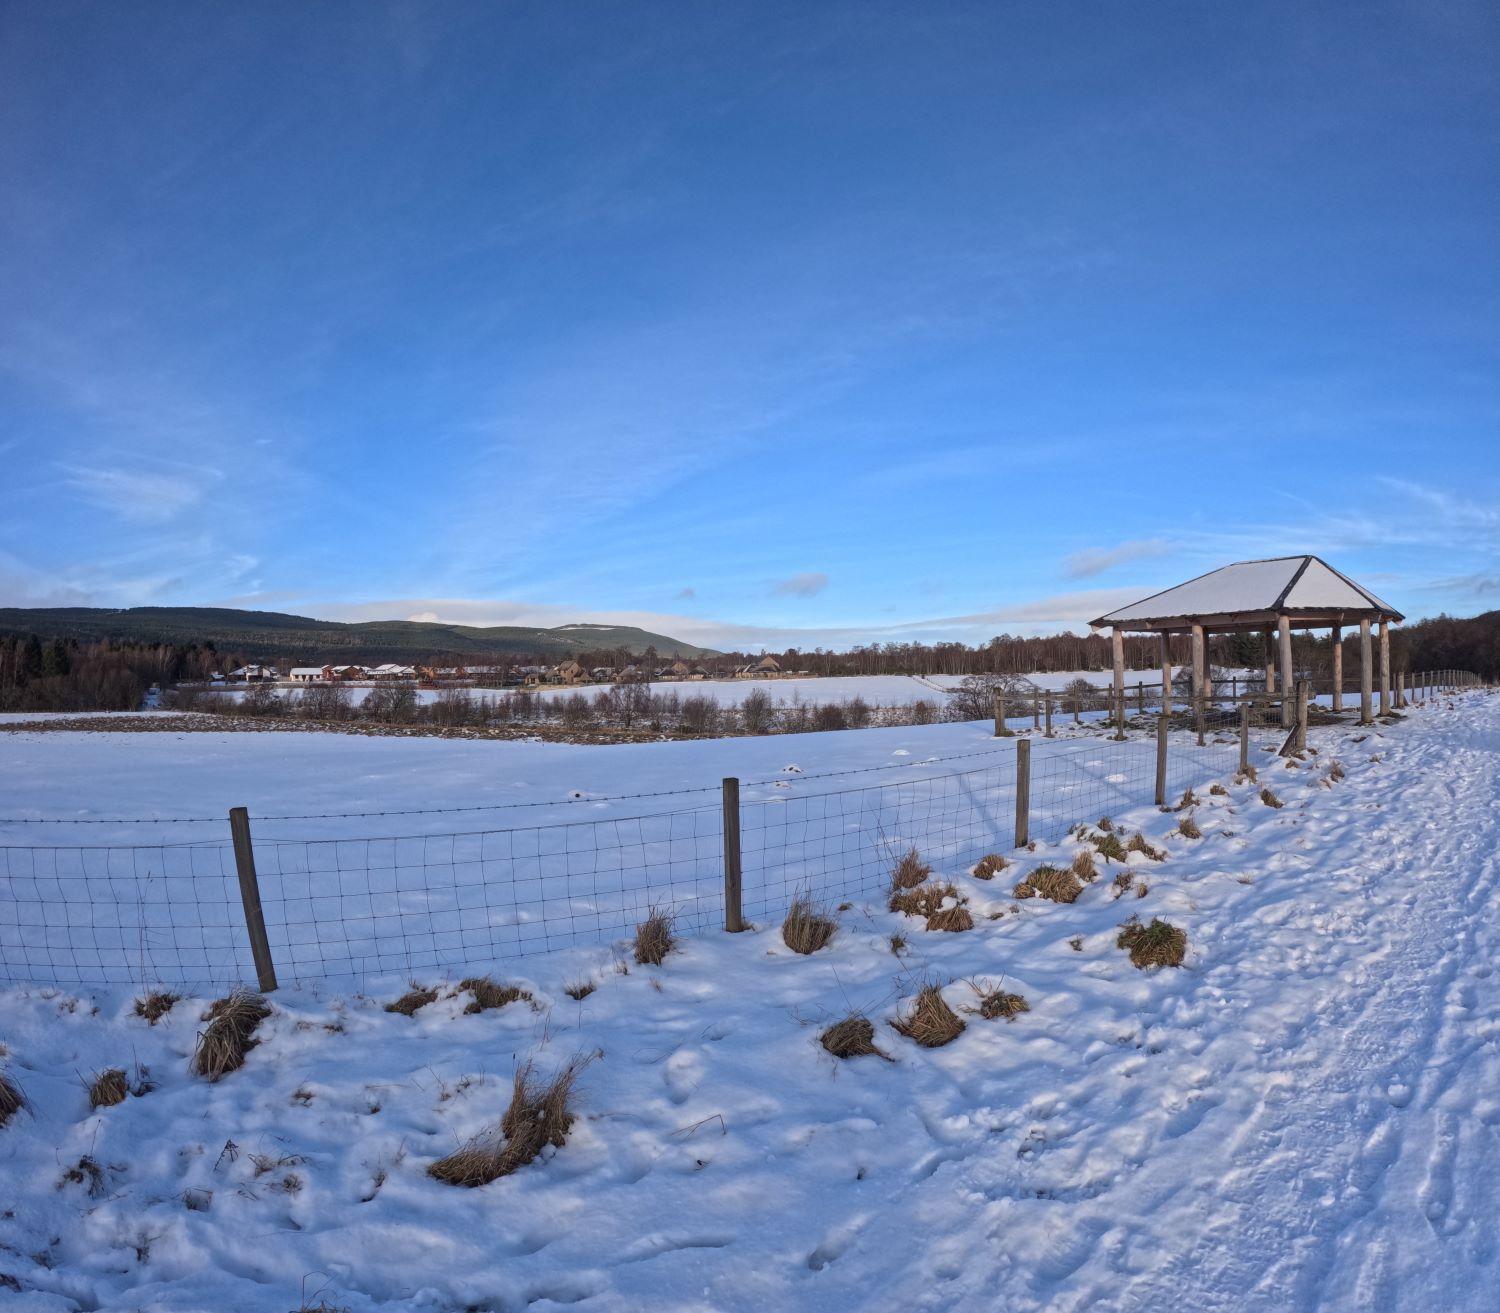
(698, 672)
(679, 669)
(570, 672)
(766, 666)
(253, 674)
(306, 674)
(341, 673)
(390, 670)
(603, 672)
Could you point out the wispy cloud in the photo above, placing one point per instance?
(1096, 560)
(141, 496)
(808, 584)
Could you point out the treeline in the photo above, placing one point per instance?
(619, 707)
(1446, 643)
(68, 675)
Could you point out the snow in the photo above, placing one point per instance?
(1303, 1117)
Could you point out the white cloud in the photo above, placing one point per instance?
(1096, 560)
(808, 584)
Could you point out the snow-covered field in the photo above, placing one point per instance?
(1304, 1116)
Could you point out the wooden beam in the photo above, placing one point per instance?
(1200, 673)
(1117, 643)
(1270, 637)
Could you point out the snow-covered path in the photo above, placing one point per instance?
(1305, 1117)
(1344, 1145)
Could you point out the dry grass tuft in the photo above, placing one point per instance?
(1106, 825)
(1108, 846)
(951, 919)
(853, 1037)
(1159, 944)
(1247, 776)
(11, 1098)
(898, 944)
(1335, 770)
(108, 1088)
(539, 1114)
(1187, 827)
(580, 989)
(230, 1033)
(1270, 799)
(1139, 845)
(1218, 790)
(930, 1022)
(1083, 867)
(989, 866)
(996, 1003)
(488, 995)
(807, 927)
(1189, 799)
(155, 1005)
(1051, 882)
(909, 872)
(654, 938)
(924, 900)
(1122, 883)
(416, 997)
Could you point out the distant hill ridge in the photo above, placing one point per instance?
(275, 634)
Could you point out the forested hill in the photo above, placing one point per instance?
(272, 634)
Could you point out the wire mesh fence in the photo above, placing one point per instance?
(351, 907)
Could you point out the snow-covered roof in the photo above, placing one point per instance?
(307, 670)
(1285, 584)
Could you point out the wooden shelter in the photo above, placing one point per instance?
(1273, 597)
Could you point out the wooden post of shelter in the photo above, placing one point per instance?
(1270, 639)
(1244, 737)
(1338, 669)
(1117, 650)
(1365, 674)
(1385, 668)
(1284, 634)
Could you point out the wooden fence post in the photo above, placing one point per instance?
(1048, 701)
(734, 920)
(1161, 762)
(255, 919)
(1401, 689)
(1301, 715)
(1001, 730)
(1023, 793)
(1244, 737)
(1036, 711)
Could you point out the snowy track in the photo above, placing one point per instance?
(1305, 1117)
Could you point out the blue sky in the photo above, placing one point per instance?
(757, 323)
